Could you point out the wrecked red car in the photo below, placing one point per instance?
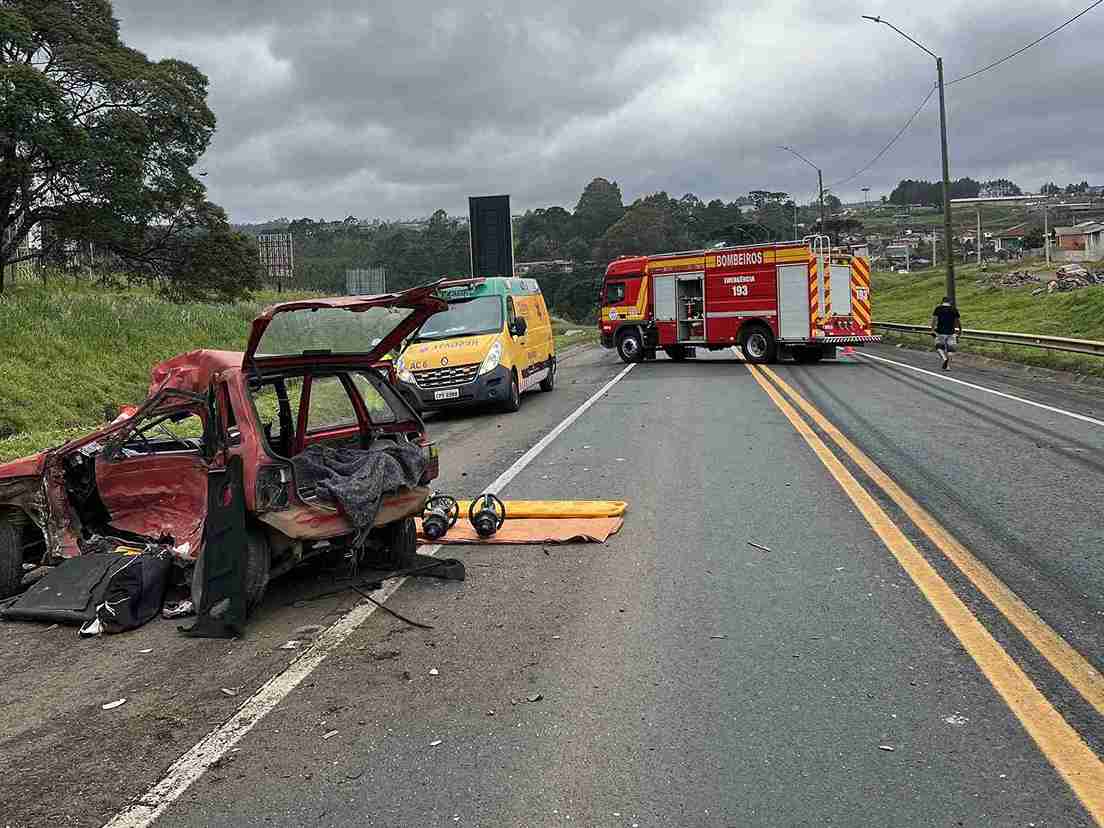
(311, 380)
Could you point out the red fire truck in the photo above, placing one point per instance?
(788, 299)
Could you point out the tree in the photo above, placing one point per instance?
(832, 202)
(599, 207)
(1050, 189)
(98, 142)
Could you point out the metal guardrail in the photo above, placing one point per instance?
(1050, 343)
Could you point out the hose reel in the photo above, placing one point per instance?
(440, 515)
(487, 514)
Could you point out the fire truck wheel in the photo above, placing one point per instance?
(629, 347)
(757, 343)
(805, 355)
(676, 353)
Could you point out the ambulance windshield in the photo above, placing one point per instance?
(466, 317)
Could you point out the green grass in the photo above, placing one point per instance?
(73, 353)
(909, 298)
(582, 333)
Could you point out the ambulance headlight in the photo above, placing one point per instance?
(403, 372)
(493, 357)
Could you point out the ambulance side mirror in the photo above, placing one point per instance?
(519, 327)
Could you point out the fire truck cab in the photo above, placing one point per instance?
(795, 299)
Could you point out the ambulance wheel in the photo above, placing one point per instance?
(676, 353)
(549, 382)
(757, 343)
(629, 346)
(807, 355)
(513, 402)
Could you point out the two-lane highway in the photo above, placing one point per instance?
(855, 593)
(841, 671)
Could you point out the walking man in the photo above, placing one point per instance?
(946, 325)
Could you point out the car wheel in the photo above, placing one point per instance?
(258, 564)
(549, 382)
(676, 353)
(401, 540)
(629, 346)
(758, 345)
(11, 556)
(513, 402)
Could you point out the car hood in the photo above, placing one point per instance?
(326, 328)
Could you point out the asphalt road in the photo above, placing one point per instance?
(684, 676)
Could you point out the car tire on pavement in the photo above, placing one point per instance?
(629, 346)
(549, 382)
(401, 538)
(258, 563)
(11, 556)
(513, 402)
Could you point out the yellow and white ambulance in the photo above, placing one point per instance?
(492, 345)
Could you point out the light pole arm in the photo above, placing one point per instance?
(902, 34)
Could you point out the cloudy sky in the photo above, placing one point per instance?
(394, 109)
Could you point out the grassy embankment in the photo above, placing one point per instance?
(910, 297)
(72, 354)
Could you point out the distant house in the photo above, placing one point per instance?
(1083, 242)
(1010, 240)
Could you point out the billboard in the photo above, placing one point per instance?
(492, 236)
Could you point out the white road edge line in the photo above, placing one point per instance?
(1076, 416)
(212, 747)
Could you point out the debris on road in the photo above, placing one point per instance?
(435, 742)
(145, 651)
(888, 748)
(534, 697)
(762, 548)
(718, 637)
(229, 691)
(113, 705)
(181, 609)
(329, 735)
(956, 719)
(293, 644)
(434, 671)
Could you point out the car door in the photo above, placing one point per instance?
(152, 477)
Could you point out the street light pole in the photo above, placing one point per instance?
(820, 180)
(947, 231)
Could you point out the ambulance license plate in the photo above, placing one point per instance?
(447, 394)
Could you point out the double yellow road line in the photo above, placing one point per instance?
(1059, 742)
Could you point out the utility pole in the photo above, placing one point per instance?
(820, 180)
(1046, 231)
(866, 199)
(977, 240)
(943, 143)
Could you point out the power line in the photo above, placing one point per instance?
(1028, 46)
(893, 140)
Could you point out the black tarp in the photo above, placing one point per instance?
(125, 591)
(357, 479)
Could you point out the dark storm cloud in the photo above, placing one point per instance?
(388, 110)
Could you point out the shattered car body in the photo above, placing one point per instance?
(311, 375)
